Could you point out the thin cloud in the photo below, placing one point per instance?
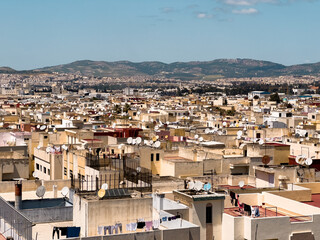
(246, 11)
(238, 2)
(202, 15)
(167, 10)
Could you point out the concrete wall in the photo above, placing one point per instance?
(232, 227)
(314, 187)
(89, 214)
(197, 215)
(48, 215)
(32, 185)
(290, 205)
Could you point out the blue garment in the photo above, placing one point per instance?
(164, 219)
(73, 232)
(257, 213)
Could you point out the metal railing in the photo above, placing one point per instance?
(118, 173)
(13, 223)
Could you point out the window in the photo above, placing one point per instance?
(71, 174)
(44, 169)
(112, 151)
(157, 156)
(209, 213)
(151, 157)
(40, 168)
(37, 166)
(45, 137)
(65, 171)
(48, 171)
(258, 135)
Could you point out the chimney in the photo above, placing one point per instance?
(18, 195)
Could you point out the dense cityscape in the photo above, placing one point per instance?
(159, 158)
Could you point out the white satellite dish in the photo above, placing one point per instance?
(261, 142)
(134, 141)
(138, 169)
(146, 142)
(191, 185)
(138, 140)
(38, 147)
(35, 174)
(308, 161)
(241, 184)
(196, 136)
(65, 191)
(130, 118)
(224, 124)
(157, 144)
(239, 133)
(38, 126)
(298, 159)
(40, 191)
(129, 140)
(105, 186)
(200, 139)
(198, 185)
(207, 131)
(48, 149)
(138, 113)
(43, 127)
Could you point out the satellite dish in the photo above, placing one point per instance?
(154, 138)
(129, 140)
(35, 174)
(138, 113)
(207, 131)
(191, 185)
(157, 144)
(40, 191)
(207, 187)
(261, 142)
(78, 118)
(43, 127)
(105, 186)
(101, 193)
(298, 159)
(239, 133)
(265, 159)
(65, 191)
(238, 137)
(241, 184)
(308, 161)
(198, 185)
(130, 118)
(224, 124)
(200, 139)
(38, 126)
(48, 149)
(133, 141)
(138, 140)
(196, 136)
(38, 147)
(138, 169)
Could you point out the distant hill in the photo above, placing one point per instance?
(232, 68)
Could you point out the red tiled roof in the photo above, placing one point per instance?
(315, 200)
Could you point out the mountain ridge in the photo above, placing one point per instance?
(192, 70)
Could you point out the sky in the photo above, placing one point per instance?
(38, 33)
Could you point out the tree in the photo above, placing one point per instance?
(275, 98)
